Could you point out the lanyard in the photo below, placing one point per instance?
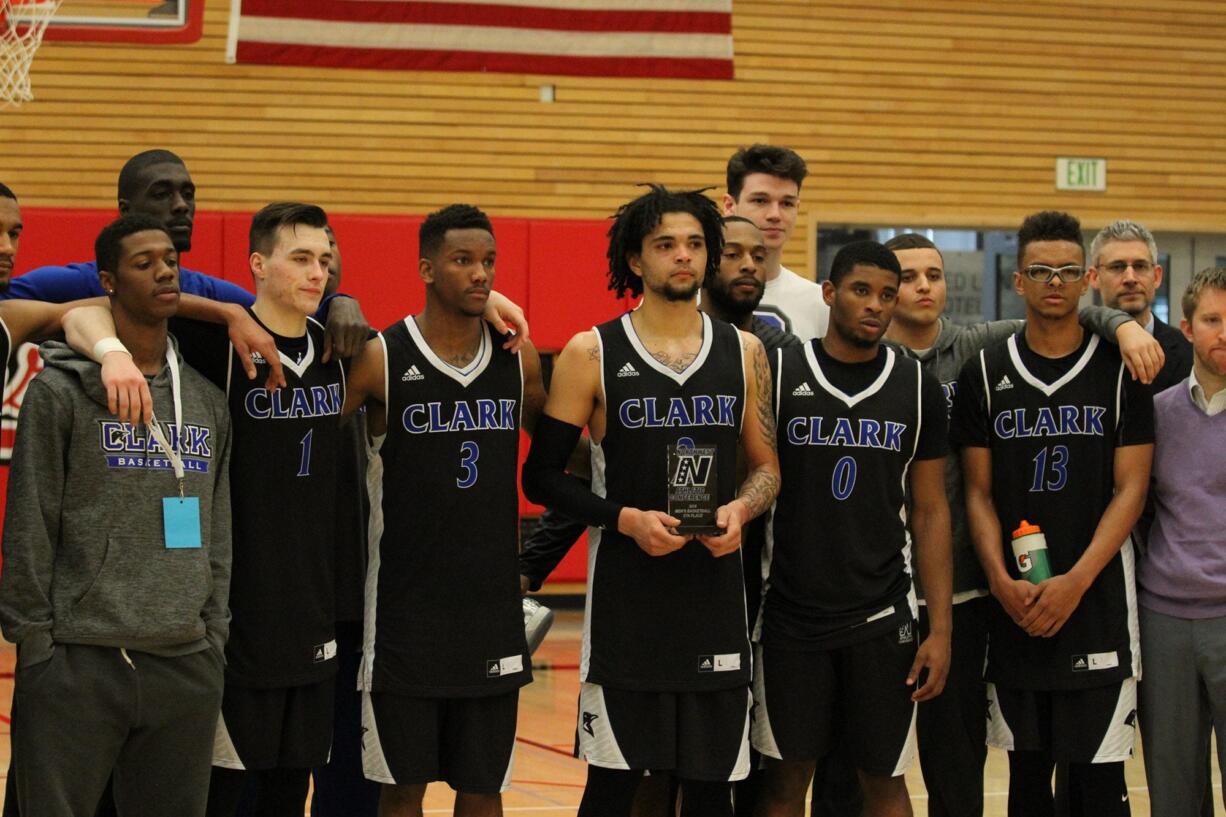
(155, 428)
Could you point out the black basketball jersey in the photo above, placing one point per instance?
(443, 613)
(1052, 426)
(674, 622)
(283, 498)
(838, 549)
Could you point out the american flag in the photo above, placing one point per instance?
(618, 38)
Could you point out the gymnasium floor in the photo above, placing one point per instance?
(548, 782)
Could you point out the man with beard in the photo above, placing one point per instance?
(664, 391)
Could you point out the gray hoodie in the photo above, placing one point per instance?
(85, 560)
(955, 345)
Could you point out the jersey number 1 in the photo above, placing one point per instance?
(304, 467)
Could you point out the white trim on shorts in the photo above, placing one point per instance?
(1000, 734)
(600, 748)
(374, 762)
(907, 756)
(1117, 743)
(225, 755)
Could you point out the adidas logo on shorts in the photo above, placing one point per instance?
(1005, 383)
(412, 374)
(802, 390)
(627, 371)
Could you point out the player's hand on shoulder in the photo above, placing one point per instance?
(347, 329)
(933, 656)
(730, 518)
(1016, 596)
(506, 316)
(650, 530)
(1141, 353)
(127, 390)
(1056, 599)
(247, 337)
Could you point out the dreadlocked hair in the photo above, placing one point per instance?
(635, 220)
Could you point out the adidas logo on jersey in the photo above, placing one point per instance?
(802, 390)
(412, 374)
(1080, 664)
(256, 357)
(627, 371)
(1005, 383)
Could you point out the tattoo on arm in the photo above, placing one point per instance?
(761, 487)
(593, 353)
(766, 412)
(758, 491)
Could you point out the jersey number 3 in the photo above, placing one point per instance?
(469, 452)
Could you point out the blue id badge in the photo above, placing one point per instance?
(181, 521)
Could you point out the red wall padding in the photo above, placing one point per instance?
(554, 268)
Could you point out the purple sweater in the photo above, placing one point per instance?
(1184, 570)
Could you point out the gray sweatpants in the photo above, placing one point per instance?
(90, 711)
(1183, 698)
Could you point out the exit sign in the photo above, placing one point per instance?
(1081, 174)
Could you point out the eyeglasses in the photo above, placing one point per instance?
(1043, 273)
(1120, 267)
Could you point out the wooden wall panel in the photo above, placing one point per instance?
(952, 115)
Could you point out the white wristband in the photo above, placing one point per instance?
(108, 345)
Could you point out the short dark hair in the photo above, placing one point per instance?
(1048, 225)
(865, 253)
(7, 193)
(770, 159)
(135, 167)
(635, 220)
(266, 223)
(107, 245)
(1209, 278)
(732, 219)
(912, 241)
(452, 217)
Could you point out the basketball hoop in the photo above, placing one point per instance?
(21, 33)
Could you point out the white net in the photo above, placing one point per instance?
(21, 32)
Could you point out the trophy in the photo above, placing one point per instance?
(692, 487)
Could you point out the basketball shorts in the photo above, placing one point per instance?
(278, 728)
(466, 742)
(852, 699)
(695, 735)
(1096, 725)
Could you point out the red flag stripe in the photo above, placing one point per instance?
(493, 16)
(425, 60)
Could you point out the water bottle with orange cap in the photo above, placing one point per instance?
(1030, 553)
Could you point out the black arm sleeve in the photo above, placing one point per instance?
(547, 483)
